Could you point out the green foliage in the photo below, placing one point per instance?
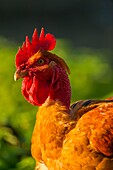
(17, 117)
(91, 77)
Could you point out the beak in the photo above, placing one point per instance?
(20, 74)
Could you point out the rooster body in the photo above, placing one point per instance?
(68, 143)
(79, 137)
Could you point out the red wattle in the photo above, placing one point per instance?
(35, 91)
(53, 83)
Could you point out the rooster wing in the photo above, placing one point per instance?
(89, 145)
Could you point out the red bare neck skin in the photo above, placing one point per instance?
(36, 89)
(61, 90)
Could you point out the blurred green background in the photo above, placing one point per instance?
(84, 32)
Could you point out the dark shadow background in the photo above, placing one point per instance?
(86, 23)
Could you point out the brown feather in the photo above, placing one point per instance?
(67, 144)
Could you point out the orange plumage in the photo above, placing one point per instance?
(79, 137)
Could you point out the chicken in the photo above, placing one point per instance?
(76, 137)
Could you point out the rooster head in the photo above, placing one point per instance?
(42, 71)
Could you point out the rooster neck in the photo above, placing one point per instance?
(61, 89)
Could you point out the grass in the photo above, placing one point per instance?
(91, 77)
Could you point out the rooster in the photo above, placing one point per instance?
(76, 137)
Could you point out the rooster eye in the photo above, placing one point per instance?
(40, 61)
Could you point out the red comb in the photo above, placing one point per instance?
(43, 42)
